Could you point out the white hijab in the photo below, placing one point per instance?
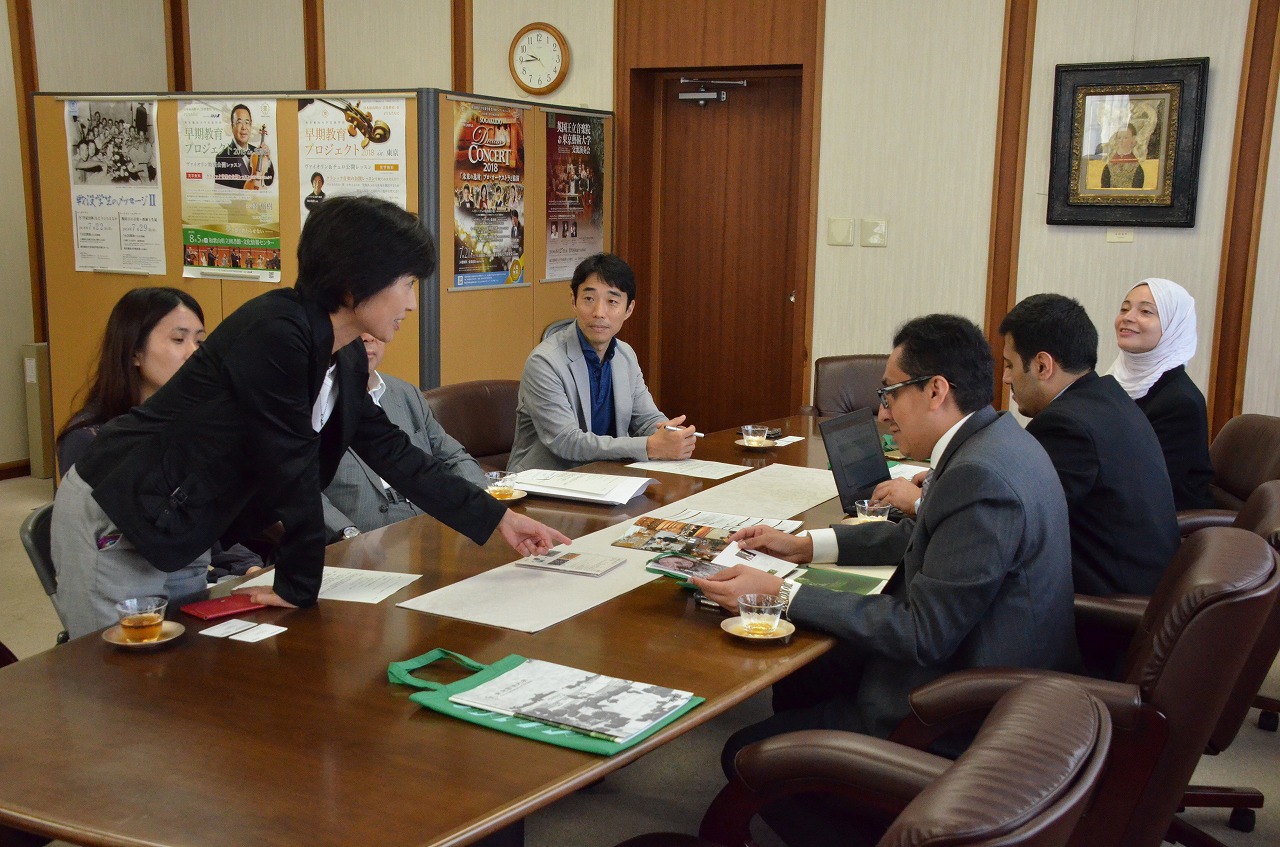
(1137, 372)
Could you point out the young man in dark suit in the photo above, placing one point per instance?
(1124, 527)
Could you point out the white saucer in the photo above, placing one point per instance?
(768, 442)
(169, 630)
(517, 494)
(733, 626)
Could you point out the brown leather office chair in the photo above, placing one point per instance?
(1025, 780)
(1245, 454)
(1179, 672)
(844, 383)
(481, 415)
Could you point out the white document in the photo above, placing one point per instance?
(701, 468)
(529, 600)
(588, 487)
(359, 586)
(733, 522)
(735, 555)
(901, 471)
(261, 632)
(226, 628)
(790, 439)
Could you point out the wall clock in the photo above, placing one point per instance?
(539, 58)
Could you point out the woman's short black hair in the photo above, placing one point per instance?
(953, 347)
(353, 247)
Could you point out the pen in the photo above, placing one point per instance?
(677, 429)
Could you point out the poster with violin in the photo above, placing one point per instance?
(230, 200)
(351, 146)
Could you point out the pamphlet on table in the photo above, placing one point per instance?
(701, 468)
(564, 561)
(588, 487)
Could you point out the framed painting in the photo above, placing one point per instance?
(1126, 143)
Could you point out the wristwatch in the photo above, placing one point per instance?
(786, 592)
(350, 532)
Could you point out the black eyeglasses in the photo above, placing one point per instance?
(883, 393)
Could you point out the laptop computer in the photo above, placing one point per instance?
(856, 456)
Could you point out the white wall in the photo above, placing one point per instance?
(1076, 260)
(586, 24)
(909, 99)
(15, 273)
(106, 45)
(388, 44)
(247, 45)
(1262, 379)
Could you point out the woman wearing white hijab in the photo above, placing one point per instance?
(1156, 334)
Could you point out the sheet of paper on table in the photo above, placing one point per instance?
(352, 584)
(701, 468)
(530, 600)
(587, 487)
(901, 471)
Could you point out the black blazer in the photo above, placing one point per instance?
(226, 447)
(1124, 528)
(1177, 413)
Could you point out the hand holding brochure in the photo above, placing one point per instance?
(600, 706)
(681, 567)
(584, 564)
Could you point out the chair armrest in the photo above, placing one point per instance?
(811, 411)
(1191, 520)
(874, 775)
(962, 700)
(1119, 612)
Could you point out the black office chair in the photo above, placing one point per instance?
(34, 533)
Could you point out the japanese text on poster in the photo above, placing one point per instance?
(116, 201)
(230, 199)
(351, 147)
(488, 189)
(575, 207)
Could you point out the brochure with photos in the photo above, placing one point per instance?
(692, 541)
(569, 698)
(682, 567)
(563, 561)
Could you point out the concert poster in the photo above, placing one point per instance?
(488, 189)
(351, 146)
(575, 191)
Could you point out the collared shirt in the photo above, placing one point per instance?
(375, 394)
(825, 548)
(326, 400)
(601, 373)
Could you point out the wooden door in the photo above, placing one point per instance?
(727, 230)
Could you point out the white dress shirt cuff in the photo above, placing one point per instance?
(825, 548)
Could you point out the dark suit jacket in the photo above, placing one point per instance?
(226, 447)
(984, 575)
(1178, 414)
(1124, 528)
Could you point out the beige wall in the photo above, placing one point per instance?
(908, 133)
(15, 275)
(1262, 380)
(1076, 260)
(586, 24)
(388, 44)
(106, 45)
(247, 45)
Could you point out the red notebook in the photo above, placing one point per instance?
(222, 607)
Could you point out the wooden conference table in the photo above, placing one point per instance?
(301, 739)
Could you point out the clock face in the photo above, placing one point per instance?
(539, 58)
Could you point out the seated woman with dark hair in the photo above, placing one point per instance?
(1156, 334)
(250, 430)
(150, 333)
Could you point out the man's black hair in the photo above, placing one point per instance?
(953, 347)
(611, 269)
(1056, 325)
(237, 107)
(353, 247)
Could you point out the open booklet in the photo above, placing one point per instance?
(693, 534)
(588, 487)
(682, 567)
(563, 561)
(569, 698)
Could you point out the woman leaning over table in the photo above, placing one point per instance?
(251, 428)
(1156, 334)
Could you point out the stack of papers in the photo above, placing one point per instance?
(588, 487)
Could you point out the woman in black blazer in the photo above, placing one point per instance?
(251, 428)
(1156, 334)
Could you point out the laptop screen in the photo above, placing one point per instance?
(856, 455)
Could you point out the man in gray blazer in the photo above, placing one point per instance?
(984, 570)
(582, 395)
(358, 500)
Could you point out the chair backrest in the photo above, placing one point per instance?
(1245, 454)
(34, 533)
(481, 415)
(556, 326)
(1261, 516)
(845, 383)
(1026, 779)
(1185, 658)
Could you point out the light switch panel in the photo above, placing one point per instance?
(873, 232)
(840, 232)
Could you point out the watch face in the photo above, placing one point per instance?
(537, 59)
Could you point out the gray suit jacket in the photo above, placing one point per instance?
(553, 415)
(984, 577)
(357, 497)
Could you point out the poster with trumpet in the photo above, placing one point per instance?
(351, 146)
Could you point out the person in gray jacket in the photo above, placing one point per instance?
(582, 395)
(358, 500)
